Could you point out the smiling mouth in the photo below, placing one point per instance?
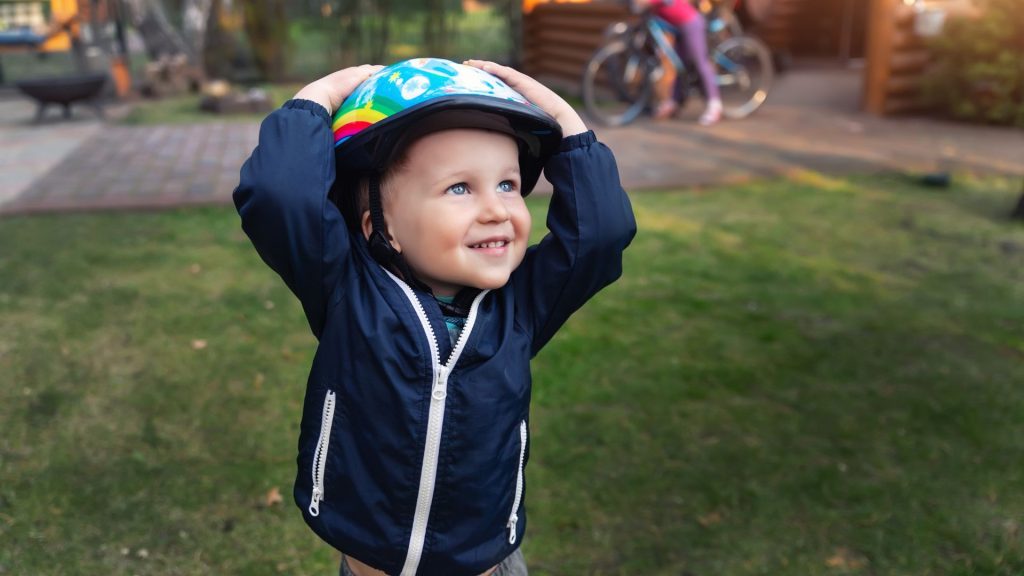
(492, 244)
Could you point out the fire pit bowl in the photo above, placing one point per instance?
(65, 91)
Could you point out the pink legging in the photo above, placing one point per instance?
(692, 46)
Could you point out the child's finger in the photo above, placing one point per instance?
(344, 82)
(535, 92)
(349, 78)
(511, 76)
(331, 90)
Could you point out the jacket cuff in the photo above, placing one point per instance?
(315, 108)
(577, 141)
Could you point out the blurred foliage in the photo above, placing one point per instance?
(978, 71)
(333, 34)
(258, 40)
(266, 26)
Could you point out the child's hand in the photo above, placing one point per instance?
(537, 93)
(331, 90)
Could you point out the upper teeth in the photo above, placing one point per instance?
(495, 244)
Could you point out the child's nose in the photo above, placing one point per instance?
(493, 208)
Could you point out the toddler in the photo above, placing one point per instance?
(402, 229)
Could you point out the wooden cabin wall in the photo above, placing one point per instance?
(815, 28)
(559, 38)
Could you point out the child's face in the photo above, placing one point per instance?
(455, 210)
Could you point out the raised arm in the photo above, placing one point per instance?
(590, 223)
(590, 220)
(282, 193)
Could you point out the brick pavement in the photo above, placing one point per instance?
(810, 124)
(144, 167)
(28, 151)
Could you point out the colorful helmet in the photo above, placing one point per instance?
(419, 96)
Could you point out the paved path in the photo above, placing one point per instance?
(810, 124)
(27, 151)
(144, 167)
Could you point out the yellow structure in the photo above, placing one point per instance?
(529, 4)
(60, 30)
(57, 30)
(63, 25)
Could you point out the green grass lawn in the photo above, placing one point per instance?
(798, 377)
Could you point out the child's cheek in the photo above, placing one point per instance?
(527, 227)
(524, 236)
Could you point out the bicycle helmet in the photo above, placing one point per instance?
(413, 98)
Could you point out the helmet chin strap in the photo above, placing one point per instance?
(380, 247)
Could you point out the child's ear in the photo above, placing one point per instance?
(367, 226)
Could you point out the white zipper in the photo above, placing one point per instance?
(320, 456)
(513, 518)
(435, 421)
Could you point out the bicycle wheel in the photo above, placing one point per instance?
(617, 84)
(745, 74)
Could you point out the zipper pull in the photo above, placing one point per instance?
(314, 504)
(512, 528)
(440, 391)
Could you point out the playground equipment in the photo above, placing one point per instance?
(57, 26)
(94, 32)
(26, 26)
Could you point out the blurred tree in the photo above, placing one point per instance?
(365, 30)
(349, 37)
(434, 33)
(380, 50)
(266, 25)
(514, 20)
(511, 13)
(224, 55)
(332, 34)
(158, 35)
(194, 19)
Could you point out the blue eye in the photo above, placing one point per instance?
(507, 186)
(458, 189)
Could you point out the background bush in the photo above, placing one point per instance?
(978, 71)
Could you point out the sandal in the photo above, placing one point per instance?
(712, 114)
(666, 109)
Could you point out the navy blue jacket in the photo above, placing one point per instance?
(411, 450)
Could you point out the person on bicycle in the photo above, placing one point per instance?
(692, 46)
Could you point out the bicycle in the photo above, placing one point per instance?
(619, 79)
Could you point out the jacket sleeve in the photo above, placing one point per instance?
(590, 222)
(282, 199)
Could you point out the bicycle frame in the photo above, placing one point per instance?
(660, 32)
